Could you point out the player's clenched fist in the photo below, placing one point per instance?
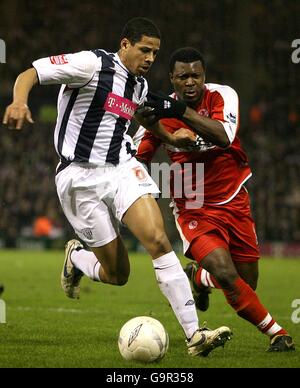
(16, 114)
(184, 137)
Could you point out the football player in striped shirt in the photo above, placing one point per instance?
(99, 182)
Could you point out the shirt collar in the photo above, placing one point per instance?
(118, 60)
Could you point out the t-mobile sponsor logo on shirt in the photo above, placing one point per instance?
(120, 106)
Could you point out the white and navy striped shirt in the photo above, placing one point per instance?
(96, 103)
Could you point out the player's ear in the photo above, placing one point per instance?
(125, 44)
(171, 77)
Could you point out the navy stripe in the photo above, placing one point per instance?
(64, 123)
(101, 53)
(62, 165)
(95, 114)
(98, 52)
(142, 82)
(113, 155)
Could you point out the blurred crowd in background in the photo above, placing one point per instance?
(247, 45)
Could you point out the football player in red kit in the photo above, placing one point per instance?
(219, 234)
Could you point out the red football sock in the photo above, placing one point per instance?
(247, 305)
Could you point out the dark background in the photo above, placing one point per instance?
(247, 45)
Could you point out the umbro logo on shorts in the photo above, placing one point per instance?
(88, 233)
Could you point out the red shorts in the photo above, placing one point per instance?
(229, 226)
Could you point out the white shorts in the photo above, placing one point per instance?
(95, 198)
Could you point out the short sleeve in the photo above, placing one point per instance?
(225, 109)
(74, 70)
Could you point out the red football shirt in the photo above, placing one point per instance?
(225, 170)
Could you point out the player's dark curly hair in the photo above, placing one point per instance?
(137, 27)
(186, 55)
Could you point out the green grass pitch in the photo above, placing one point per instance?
(45, 329)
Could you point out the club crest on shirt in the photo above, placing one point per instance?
(59, 59)
(88, 233)
(193, 224)
(203, 112)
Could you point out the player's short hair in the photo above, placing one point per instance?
(186, 55)
(137, 27)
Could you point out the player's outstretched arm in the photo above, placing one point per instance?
(164, 106)
(17, 113)
(183, 139)
(209, 129)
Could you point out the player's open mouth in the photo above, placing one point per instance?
(190, 93)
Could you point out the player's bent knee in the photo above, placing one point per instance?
(158, 244)
(252, 283)
(225, 277)
(250, 277)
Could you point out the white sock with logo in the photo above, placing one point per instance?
(175, 286)
(88, 263)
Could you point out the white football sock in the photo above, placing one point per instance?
(88, 263)
(175, 286)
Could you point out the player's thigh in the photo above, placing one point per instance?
(134, 205)
(91, 218)
(248, 271)
(243, 240)
(134, 182)
(211, 251)
(145, 221)
(219, 263)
